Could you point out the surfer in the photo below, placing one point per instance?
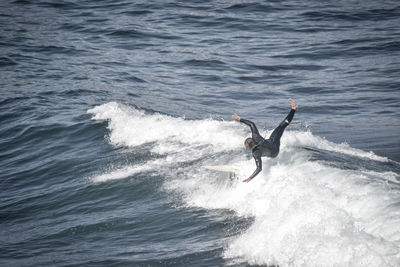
(261, 147)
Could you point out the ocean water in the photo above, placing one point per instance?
(110, 110)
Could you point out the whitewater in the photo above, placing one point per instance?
(317, 204)
(111, 110)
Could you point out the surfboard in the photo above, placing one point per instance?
(226, 170)
(220, 168)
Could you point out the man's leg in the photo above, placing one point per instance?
(278, 132)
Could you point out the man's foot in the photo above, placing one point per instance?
(293, 104)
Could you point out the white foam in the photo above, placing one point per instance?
(306, 213)
(132, 127)
(308, 139)
(119, 173)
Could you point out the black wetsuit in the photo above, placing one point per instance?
(267, 147)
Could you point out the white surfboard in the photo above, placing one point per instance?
(220, 168)
(225, 170)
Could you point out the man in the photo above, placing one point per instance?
(265, 147)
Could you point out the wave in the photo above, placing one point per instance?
(307, 211)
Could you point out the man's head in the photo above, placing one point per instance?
(249, 143)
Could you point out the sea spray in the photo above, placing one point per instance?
(307, 211)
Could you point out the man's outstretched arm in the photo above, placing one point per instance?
(257, 171)
(253, 127)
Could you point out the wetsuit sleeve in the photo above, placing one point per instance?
(257, 158)
(254, 131)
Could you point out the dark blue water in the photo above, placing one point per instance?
(110, 110)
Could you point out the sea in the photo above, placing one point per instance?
(111, 109)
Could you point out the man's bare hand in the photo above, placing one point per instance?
(246, 180)
(236, 117)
